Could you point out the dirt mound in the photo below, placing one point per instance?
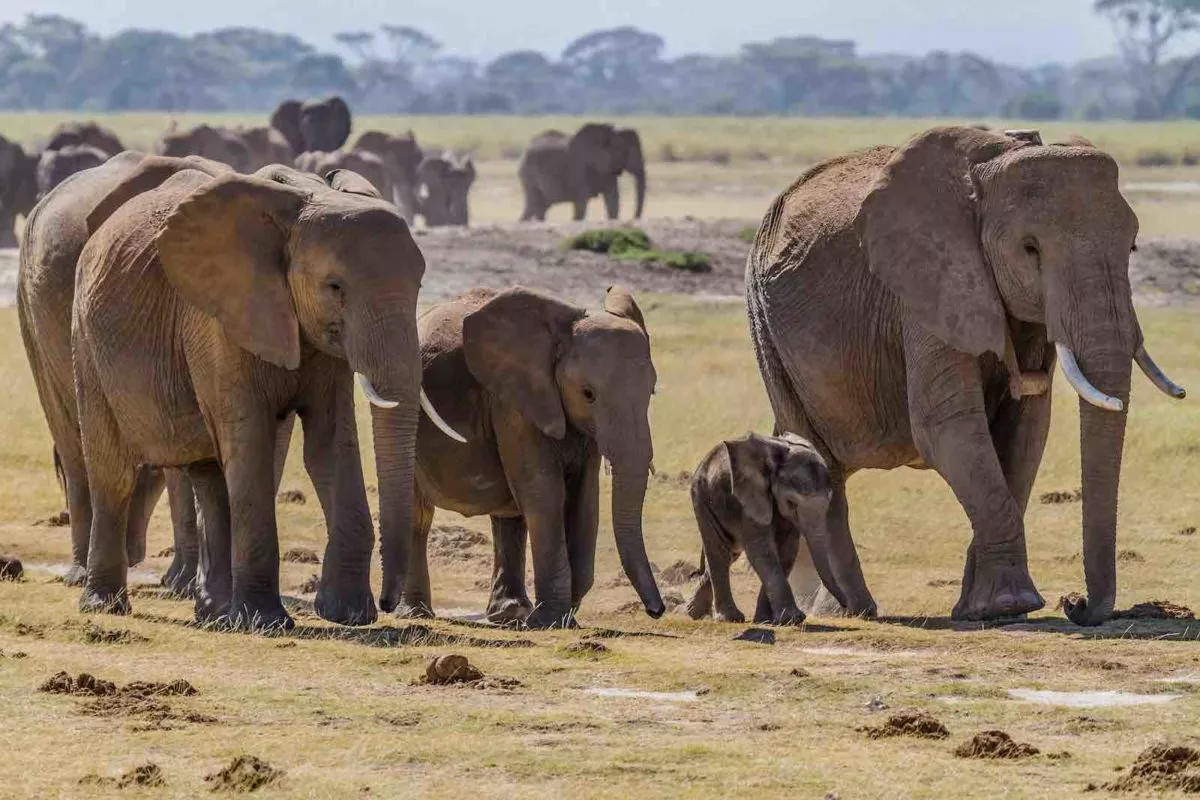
(679, 573)
(586, 647)
(310, 585)
(94, 634)
(451, 669)
(913, 723)
(11, 568)
(994, 744)
(1190, 530)
(1162, 767)
(1131, 557)
(85, 685)
(60, 520)
(1060, 498)
(1156, 609)
(176, 688)
(139, 700)
(244, 774)
(301, 555)
(291, 497)
(456, 543)
(147, 775)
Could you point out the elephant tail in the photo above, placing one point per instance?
(60, 474)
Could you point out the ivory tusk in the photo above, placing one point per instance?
(372, 395)
(1079, 382)
(1157, 376)
(437, 420)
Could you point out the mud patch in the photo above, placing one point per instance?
(995, 744)
(916, 724)
(1090, 699)
(456, 543)
(1162, 767)
(291, 497)
(1061, 498)
(60, 520)
(244, 774)
(310, 585)
(679, 573)
(301, 555)
(11, 568)
(1156, 609)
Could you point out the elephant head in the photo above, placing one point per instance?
(286, 120)
(216, 144)
(73, 134)
(55, 166)
(447, 183)
(18, 188)
(559, 366)
(607, 151)
(401, 156)
(969, 229)
(325, 124)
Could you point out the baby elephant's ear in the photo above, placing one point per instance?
(619, 301)
(751, 465)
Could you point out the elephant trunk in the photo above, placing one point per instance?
(631, 472)
(639, 176)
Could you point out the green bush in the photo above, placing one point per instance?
(686, 260)
(610, 240)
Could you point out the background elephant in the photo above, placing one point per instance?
(74, 134)
(907, 305)
(761, 495)
(368, 165)
(18, 188)
(272, 291)
(325, 124)
(445, 186)
(215, 144)
(265, 145)
(542, 390)
(286, 120)
(401, 155)
(557, 169)
(55, 166)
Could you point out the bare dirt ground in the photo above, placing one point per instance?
(1165, 271)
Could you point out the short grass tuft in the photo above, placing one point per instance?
(633, 244)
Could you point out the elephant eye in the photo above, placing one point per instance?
(1030, 247)
(334, 285)
(589, 394)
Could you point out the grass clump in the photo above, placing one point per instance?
(633, 244)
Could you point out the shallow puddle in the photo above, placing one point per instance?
(1090, 699)
(637, 694)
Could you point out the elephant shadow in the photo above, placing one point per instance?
(1170, 630)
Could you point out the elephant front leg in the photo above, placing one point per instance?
(612, 200)
(583, 523)
(416, 595)
(179, 579)
(773, 560)
(508, 603)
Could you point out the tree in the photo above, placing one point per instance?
(1145, 31)
(615, 66)
(361, 43)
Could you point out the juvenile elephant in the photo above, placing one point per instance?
(208, 308)
(542, 390)
(91, 134)
(325, 124)
(18, 188)
(560, 169)
(761, 495)
(215, 144)
(401, 155)
(446, 182)
(907, 305)
(368, 165)
(55, 166)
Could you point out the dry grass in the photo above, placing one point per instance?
(341, 715)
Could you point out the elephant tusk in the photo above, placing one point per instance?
(1079, 382)
(1157, 376)
(372, 395)
(437, 420)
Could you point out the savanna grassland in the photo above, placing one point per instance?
(342, 711)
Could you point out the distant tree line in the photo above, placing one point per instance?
(53, 63)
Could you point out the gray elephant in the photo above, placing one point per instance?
(368, 165)
(556, 168)
(446, 181)
(91, 134)
(762, 495)
(55, 166)
(325, 124)
(907, 306)
(264, 146)
(205, 141)
(542, 390)
(208, 308)
(286, 120)
(401, 155)
(18, 188)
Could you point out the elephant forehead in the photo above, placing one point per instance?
(359, 230)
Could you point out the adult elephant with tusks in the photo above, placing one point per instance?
(543, 390)
(907, 307)
(206, 310)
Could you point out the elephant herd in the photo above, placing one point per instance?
(312, 136)
(906, 304)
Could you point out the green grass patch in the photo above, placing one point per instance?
(633, 244)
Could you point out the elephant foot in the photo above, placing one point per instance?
(546, 617)
(259, 614)
(1083, 611)
(135, 549)
(731, 615)
(76, 575)
(105, 601)
(413, 608)
(995, 590)
(345, 607)
(789, 617)
(503, 610)
(210, 611)
(180, 578)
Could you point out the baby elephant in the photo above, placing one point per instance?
(760, 494)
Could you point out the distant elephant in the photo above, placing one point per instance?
(762, 495)
(368, 165)
(18, 188)
(907, 305)
(542, 390)
(286, 120)
(265, 145)
(215, 144)
(325, 124)
(92, 134)
(55, 166)
(445, 187)
(560, 169)
(401, 156)
(206, 309)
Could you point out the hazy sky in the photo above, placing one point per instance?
(1015, 31)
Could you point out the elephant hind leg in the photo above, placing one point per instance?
(180, 577)
(147, 490)
(509, 603)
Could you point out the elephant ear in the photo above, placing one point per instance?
(149, 174)
(350, 182)
(1075, 140)
(753, 460)
(290, 176)
(223, 248)
(512, 346)
(619, 301)
(921, 233)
